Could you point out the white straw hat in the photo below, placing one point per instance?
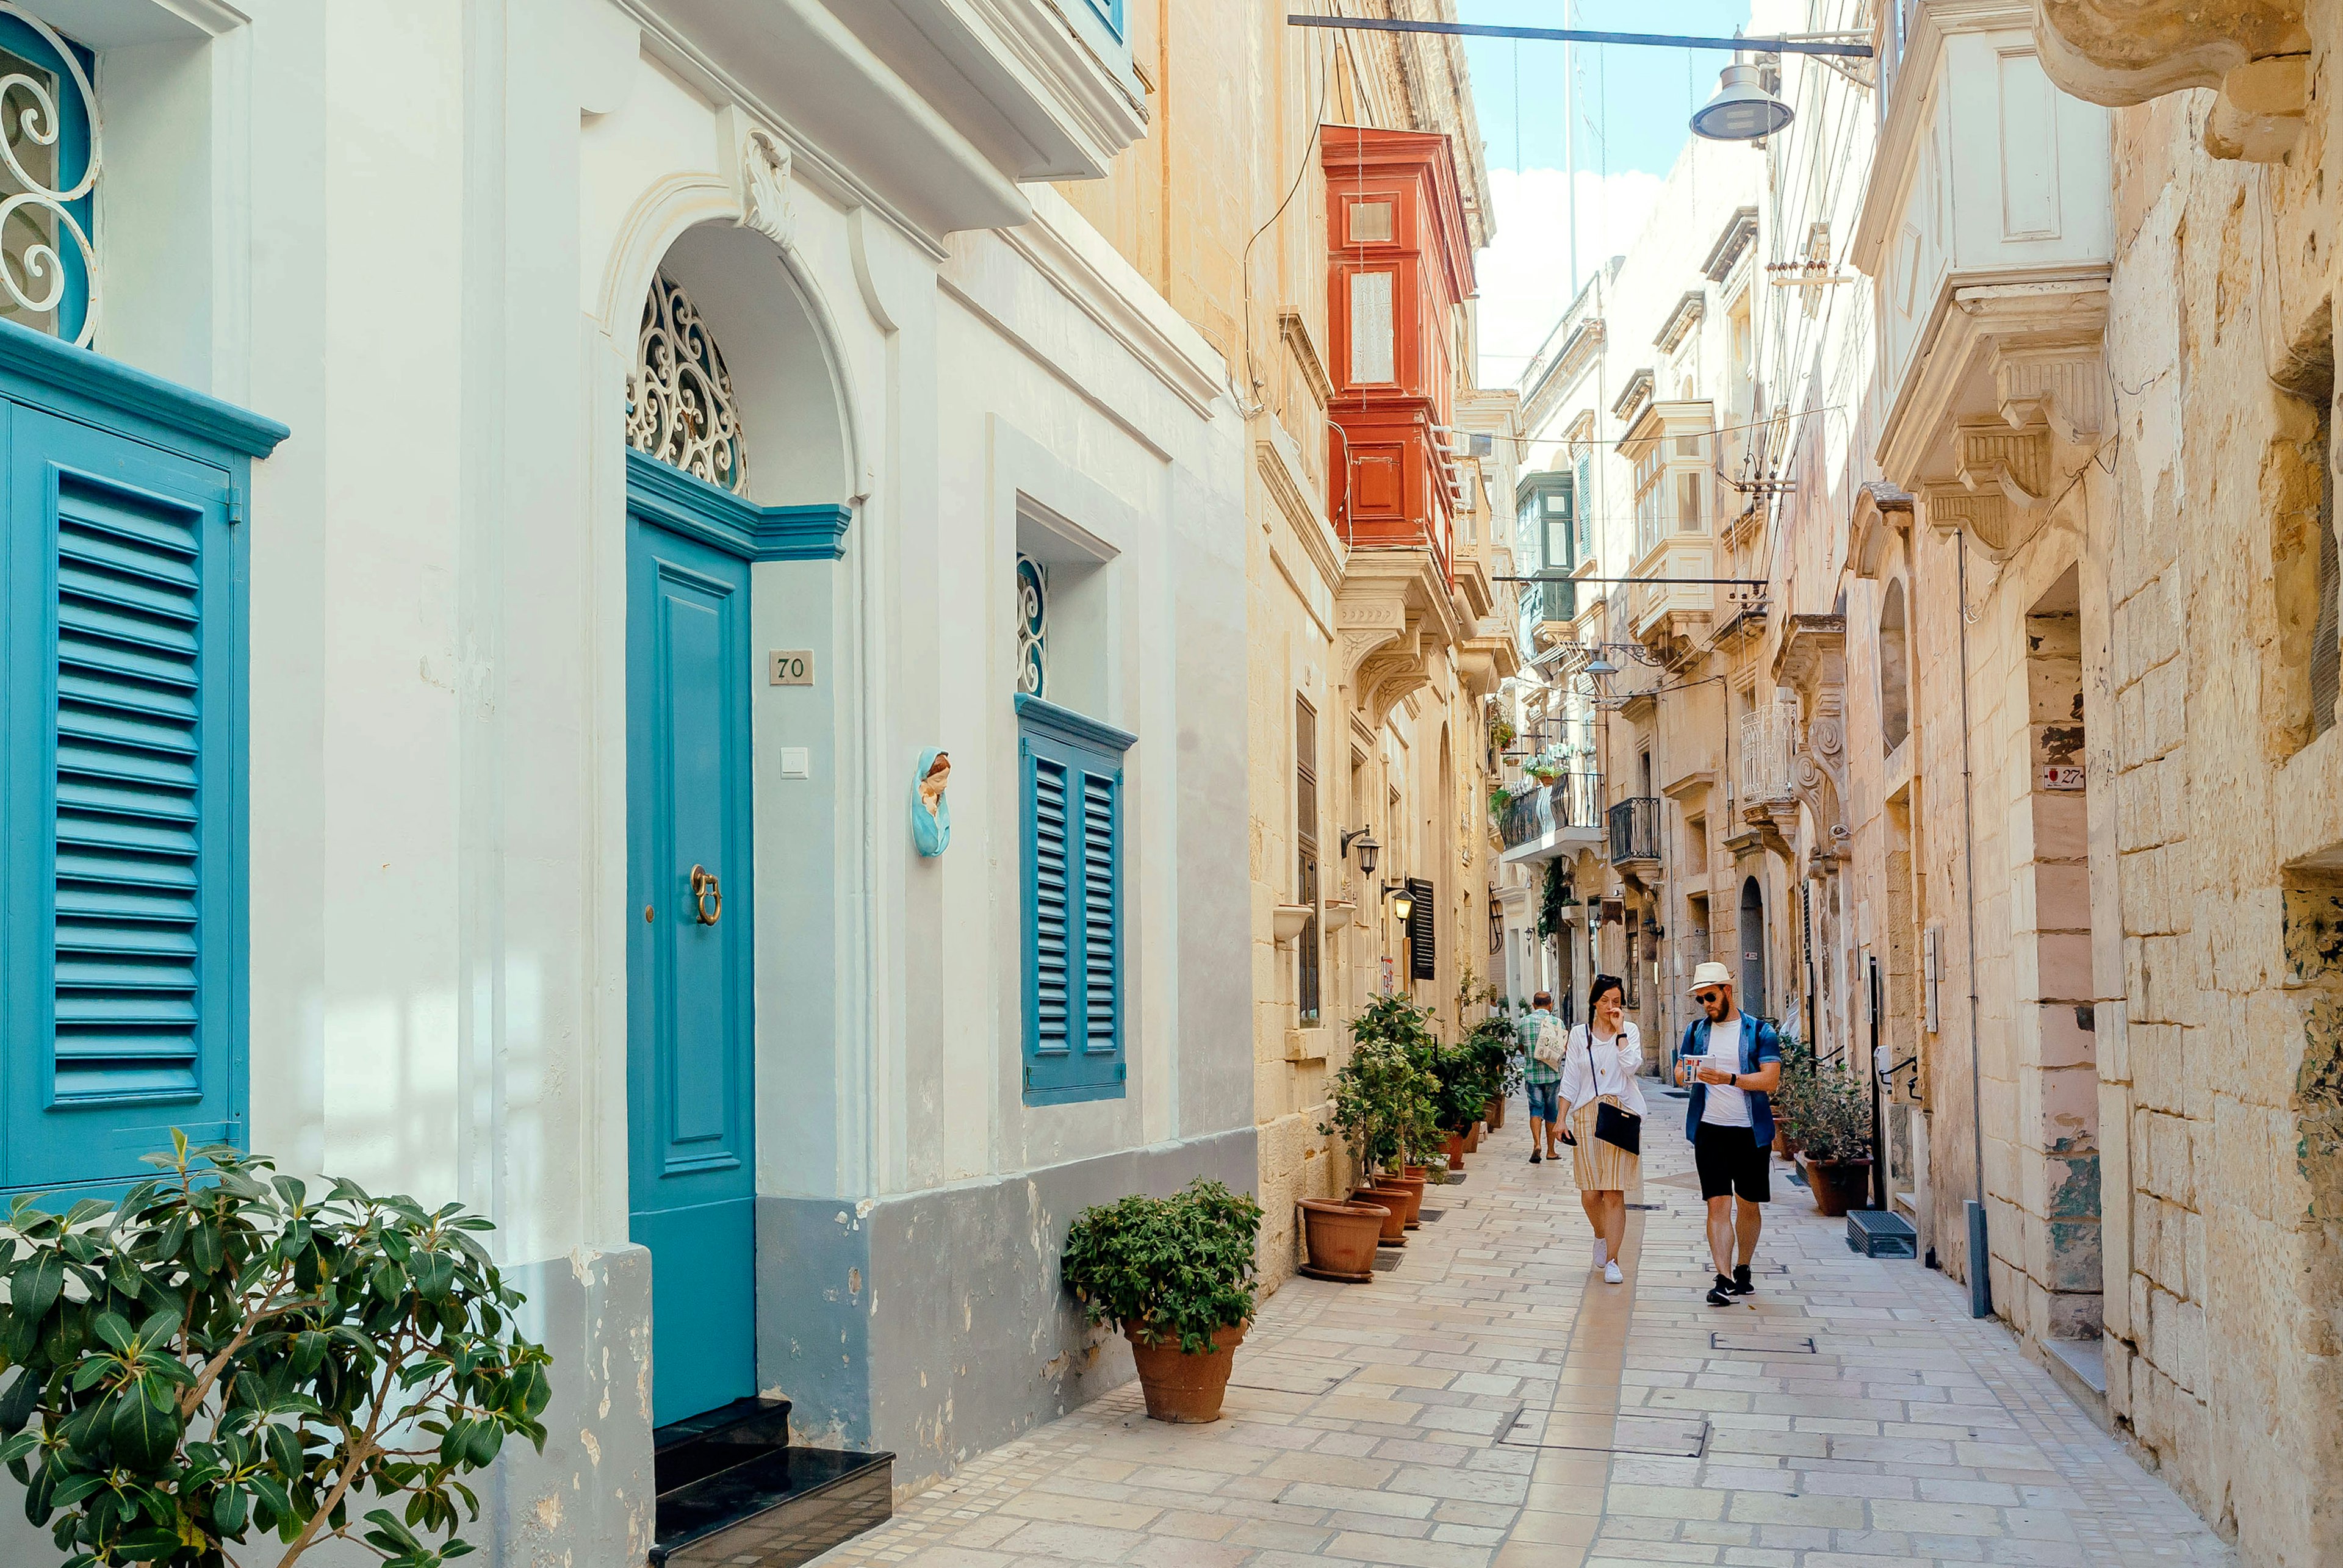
(1712, 973)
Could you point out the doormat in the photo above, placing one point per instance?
(1778, 1345)
(1650, 1436)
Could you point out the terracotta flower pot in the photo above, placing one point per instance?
(1341, 1239)
(1414, 1187)
(1180, 1386)
(1493, 1114)
(1456, 1151)
(1473, 1140)
(1837, 1185)
(1394, 1204)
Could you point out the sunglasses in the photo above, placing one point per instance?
(1706, 995)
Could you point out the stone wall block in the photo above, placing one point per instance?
(2155, 1052)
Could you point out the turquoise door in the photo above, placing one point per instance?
(689, 1012)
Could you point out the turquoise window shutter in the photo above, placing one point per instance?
(1070, 796)
(122, 767)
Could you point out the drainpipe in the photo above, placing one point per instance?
(1980, 1268)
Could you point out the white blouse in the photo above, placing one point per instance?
(1594, 1068)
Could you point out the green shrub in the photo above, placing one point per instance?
(1167, 1268)
(1825, 1107)
(221, 1357)
(1496, 1046)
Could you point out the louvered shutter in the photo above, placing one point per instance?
(1423, 953)
(1071, 804)
(124, 690)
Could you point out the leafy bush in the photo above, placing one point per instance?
(1378, 1095)
(1462, 1096)
(1826, 1109)
(1167, 1268)
(219, 1356)
(1496, 1046)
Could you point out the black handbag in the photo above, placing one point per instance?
(1619, 1126)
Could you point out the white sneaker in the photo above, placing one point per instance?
(1610, 1275)
(1602, 1256)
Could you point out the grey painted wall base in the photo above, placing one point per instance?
(587, 1501)
(933, 1325)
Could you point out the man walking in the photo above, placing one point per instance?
(1732, 1062)
(1542, 1079)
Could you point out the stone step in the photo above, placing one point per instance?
(733, 1491)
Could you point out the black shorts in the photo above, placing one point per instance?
(1732, 1162)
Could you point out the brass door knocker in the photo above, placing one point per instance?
(709, 894)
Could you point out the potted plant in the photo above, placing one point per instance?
(225, 1356)
(1494, 1045)
(1502, 733)
(1500, 798)
(1176, 1274)
(1377, 1098)
(1832, 1111)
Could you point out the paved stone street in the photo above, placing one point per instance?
(1491, 1404)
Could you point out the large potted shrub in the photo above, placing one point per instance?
(1176, 1275)
(1832, 1107)
(224, 1356)
(1494, 1045)
(1377, 1098)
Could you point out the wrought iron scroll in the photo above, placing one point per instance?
(36, 281)
(1033, 626)
(680, 403)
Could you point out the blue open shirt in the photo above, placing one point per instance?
(1759, 1044)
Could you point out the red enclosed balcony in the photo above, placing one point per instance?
(1399, 265)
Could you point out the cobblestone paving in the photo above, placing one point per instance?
(1491, 1404)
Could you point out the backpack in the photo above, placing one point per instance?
(1550, 1047)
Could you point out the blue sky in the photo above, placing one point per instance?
(1636, 100)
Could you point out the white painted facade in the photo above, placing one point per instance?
(421, 233)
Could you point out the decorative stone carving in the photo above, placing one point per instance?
(2120, 51)
(2061, 386)
(1391, 613)
(1882, 514)
(1984, 519)
(2015, 463)
(765, 189)
(1812, 660)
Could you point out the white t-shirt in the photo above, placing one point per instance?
(1726, 1106)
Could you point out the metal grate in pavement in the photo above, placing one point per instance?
(1647, 1436)
(1763, 1344)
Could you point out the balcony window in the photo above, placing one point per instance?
(1372, 359)
(1371, 222)
(1690, 517)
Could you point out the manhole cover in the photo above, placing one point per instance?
(1763, 1344)
(1653, 1436)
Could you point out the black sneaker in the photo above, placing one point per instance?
(1720, 1294)
(1741, 1285)
(1535, 1157)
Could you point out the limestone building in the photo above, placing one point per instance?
(1311, 200)
(2068, 583)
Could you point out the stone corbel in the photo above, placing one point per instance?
(1882, 514)
(1992, 460)
(1987, 520)
(2060, 388)
(1381, 648)
(2120, 51)
(2259, 115)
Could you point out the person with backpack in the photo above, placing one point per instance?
(1731, 1062)
(1606, 1115)
(1542, 1042)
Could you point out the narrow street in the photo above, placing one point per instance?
(1490, 1404)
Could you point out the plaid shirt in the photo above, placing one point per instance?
(1534, 1071)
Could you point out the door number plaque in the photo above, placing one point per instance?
(792, 667)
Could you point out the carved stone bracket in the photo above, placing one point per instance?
(1882, 514)
(1990, 460)
(1391, 613)
(2256, 52)
(1812, 660)
(1984, 519)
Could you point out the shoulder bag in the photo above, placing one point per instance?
(1616, 1124)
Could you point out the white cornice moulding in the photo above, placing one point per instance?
(1895, 160)
(1094, 276)
(1089, 97)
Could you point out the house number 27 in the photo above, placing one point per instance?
(792, 667)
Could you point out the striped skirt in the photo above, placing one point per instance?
(1601, 1167)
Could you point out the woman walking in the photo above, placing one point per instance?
(1604, 1055)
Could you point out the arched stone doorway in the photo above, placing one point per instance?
(1752, 936)
(738, 457)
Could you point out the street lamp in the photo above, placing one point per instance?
(1742, 110)
(1368, 848)
(1402, 905)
